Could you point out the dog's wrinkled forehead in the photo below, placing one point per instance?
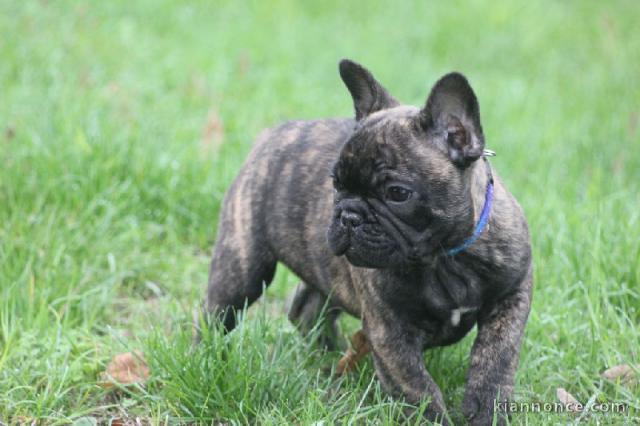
(379, 142)
(400, 117)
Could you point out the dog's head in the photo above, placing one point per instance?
(402, 186)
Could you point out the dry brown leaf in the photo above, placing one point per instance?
(126, 369)
(128, 422)
(358, 350)
(9, 133)
(23, 420)
(570, 403)
(213, 132)
(623, 372)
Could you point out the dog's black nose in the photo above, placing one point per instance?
(350, 218)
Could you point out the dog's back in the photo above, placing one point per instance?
(267, 201)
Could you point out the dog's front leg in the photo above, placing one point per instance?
(397, 356)
(495, 355)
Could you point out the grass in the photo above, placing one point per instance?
(122, 123)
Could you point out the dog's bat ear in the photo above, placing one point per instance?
(452, 109)
(368, 95)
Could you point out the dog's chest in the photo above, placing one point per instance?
(450, 301)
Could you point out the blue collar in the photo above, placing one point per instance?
(484, 216)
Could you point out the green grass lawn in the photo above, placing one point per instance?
(122, 123)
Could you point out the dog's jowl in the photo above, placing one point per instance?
(395, 217)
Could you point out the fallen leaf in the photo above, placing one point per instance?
(623, 372)
(570, 403)
(213, 132)
(125, 422)
(118, 421)
(9, 133)
(126, 369)
(358, 350)
(22, 420)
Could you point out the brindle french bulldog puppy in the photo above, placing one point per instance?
(396, 218)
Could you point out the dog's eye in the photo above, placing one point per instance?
(397, 194)
(337, 185)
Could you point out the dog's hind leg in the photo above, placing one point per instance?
(235, 282)
(243, 264)
(310, 309)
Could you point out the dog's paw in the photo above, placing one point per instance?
(482, 405)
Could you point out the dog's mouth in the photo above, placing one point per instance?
(370, 256)
(367, 245)
(340, 247)
(370, 236)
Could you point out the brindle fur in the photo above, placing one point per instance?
(406, 288)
